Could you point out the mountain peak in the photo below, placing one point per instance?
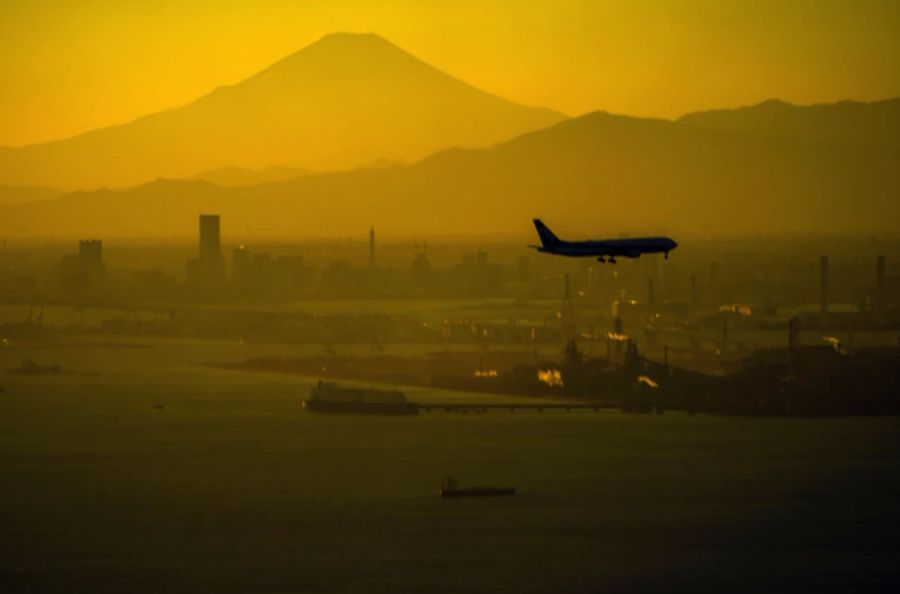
(343, 37)
(343, 41)
(341, 54)
(343, 101)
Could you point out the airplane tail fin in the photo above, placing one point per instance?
(548, 239)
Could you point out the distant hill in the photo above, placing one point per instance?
(241, 176)
(599, 174)
(340, 103)
(22, 194)
(849, 121)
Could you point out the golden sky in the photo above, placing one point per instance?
(68, 66)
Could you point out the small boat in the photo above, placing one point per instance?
(450, 488)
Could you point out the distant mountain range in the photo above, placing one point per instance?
(847, 121)
(242, 176)
(342, 102)
(773, 168)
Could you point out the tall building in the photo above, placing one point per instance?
(210, 242)
(208, 271)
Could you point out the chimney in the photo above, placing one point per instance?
(715, 283)
(567, 315)
(823, 284)
(879, 283)
(793, 332)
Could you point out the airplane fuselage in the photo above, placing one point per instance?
(601, 248)
(625, 248)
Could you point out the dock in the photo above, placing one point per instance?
(457, 407)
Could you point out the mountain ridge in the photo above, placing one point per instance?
(598, 174)
(846, 119)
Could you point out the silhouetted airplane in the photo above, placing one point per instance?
(601, 248)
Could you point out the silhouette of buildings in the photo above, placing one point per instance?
(91, 250)
(86, 268)
(479, 276)
(260, 275)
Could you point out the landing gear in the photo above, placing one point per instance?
(611, 260)
(601, 260)
(666, 254)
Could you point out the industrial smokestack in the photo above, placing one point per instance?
(823, 284)
(715, 283)
(567, 314)
(793, 332)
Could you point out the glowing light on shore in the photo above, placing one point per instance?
(647, 381)
(551, 377)
(736, 308)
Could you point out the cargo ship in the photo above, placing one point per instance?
(450, 488)
(327, 397)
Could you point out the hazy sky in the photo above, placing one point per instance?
(71, 65)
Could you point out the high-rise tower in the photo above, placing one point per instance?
(210, 242)
(208, 271)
